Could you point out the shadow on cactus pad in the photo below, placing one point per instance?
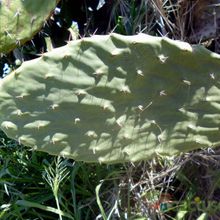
(115, 98)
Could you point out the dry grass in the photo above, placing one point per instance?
(164, 187)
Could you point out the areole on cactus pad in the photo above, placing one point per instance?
(20, 20)
(115, 98)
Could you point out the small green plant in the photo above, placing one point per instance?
(54, 177)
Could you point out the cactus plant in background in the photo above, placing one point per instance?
(20, 20)
(115, 98)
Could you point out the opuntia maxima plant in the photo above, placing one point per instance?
(114, 98)
(20, 20)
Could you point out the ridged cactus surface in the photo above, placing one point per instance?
(20, 20)
(115, 98)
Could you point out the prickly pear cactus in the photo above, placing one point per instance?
(115, 98)
(20, 20)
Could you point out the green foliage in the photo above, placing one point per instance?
(35, 185)
(20, 20)
(114, 98)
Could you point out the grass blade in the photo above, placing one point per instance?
(43, 207)
(97, 189)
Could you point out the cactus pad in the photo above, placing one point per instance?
(115, 98)
(20, 20)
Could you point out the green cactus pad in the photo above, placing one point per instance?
(115, 98)
(20, 20)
